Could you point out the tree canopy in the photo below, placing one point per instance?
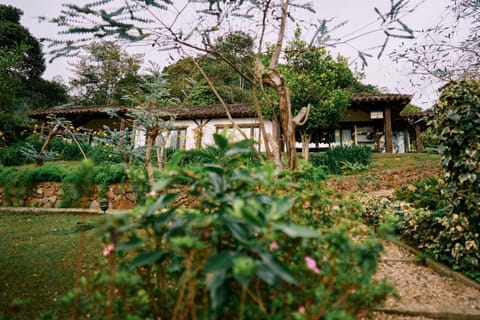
(104, 74)
(190, 86)
(21, 66)
(317, 79)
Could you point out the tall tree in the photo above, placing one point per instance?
(21, 66)
(317, 79)
(104, 74)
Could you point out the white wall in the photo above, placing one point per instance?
(214, 126)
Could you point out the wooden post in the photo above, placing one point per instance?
(388, 130)
(418, 138)
(122, 124)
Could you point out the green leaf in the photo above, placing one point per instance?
(187, 242)
(219, 262)
(146, 258)
(220, 141)
(243, 269)
(267, 275)
(294, 231)
(161, 184)
(280, 208)
(130, 244)
(238, 230)
(215, 168)
(277, 267)
(175, 160)
(217, 181)
(236, 151)
(161, 202)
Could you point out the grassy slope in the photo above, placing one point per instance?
(38, 255)
(389, 161)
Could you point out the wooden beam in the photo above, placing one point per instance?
(388, 130)
(418, 138)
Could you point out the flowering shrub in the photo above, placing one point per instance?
(233, 252)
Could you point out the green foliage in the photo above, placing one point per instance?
(315, 78)
(22, 181)
(189, 85)
(21, 67)
(457, 125)
(234, 252)
(105, 175)
(13, 156)
(426, 193)
(343, 159)
(77, 184)
(105, 74)
(66, 149)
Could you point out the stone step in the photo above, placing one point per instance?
(433, 311)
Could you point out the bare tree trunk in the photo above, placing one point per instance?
(275, 80)
(306, 146)
(39, 160)
(151, 136)
(162, 152)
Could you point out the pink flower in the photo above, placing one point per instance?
(312, 265)
(108, 249)
(274, 246)
(301, 309)
(335, 208)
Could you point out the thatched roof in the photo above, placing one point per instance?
(181, 112)
(388, 98)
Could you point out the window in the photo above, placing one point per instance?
(177, 138)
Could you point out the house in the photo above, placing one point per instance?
(373, 120)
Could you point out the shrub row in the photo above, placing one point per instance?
(73, 179)
(343, 159)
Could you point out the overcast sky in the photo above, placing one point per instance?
(384, 73)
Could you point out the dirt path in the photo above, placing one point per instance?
(424, 292)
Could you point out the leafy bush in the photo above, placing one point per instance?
(457, 124)
(23, 180)
(101, 153)
(426, 193)
(67, 150)
(338, 159)
(104, 175)
(13, 156)
(232, 253)
(78, 183)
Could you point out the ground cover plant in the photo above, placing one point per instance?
(39, 257)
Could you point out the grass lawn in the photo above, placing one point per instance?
(38, 257)
(390, 161)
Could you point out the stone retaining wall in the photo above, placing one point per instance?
(49, 195)
(122, 196)
(382, 180)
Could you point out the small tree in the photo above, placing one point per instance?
(318, 80)
(147, 101)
